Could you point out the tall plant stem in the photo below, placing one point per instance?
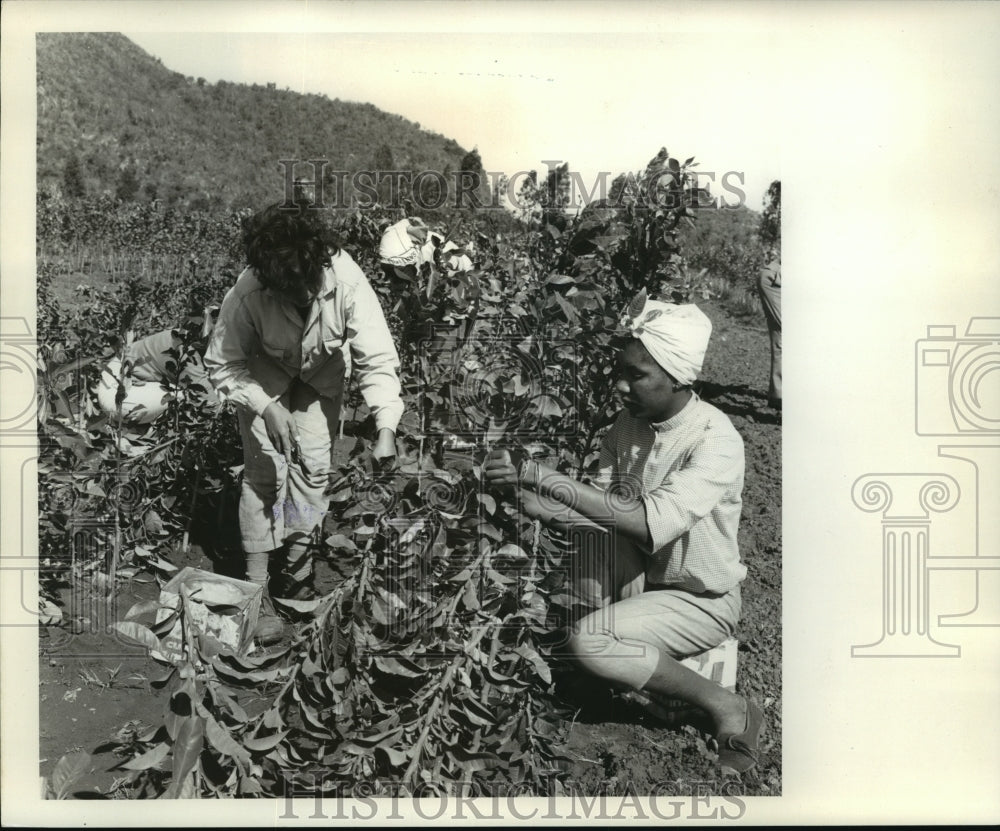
(595, 426)
(194, 498)
(443, 688)
(116, 542)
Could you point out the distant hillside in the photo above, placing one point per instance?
(112, 118)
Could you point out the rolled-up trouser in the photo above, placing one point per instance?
(770, 300)
(636, 621)
(622, 642)
(144, 401)
(282, 503)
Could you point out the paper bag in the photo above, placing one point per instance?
(222, 613)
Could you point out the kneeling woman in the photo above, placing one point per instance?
(669, 493)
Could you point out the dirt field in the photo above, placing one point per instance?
(94, 691)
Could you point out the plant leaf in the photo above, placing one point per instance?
(469, 598)
(222, 741)
(165, 625)
(396, 758)
(398, 666)
(303, 606)
(187, 748)
(471, 761)
(143, 607)
(501, 579)
(548, 406)
(138, 634)
(511, 551)
(383, 739)
(68, 770)
(537, 662)
(340, 541)
(260, 744)
(48, 613)
(149, 759)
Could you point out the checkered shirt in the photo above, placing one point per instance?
(688, 472)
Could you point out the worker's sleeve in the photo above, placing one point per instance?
(234, 340)
(688, 494)
(374, 355)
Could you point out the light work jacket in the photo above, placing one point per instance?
(261, 343)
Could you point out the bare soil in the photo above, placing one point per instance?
(92, 686)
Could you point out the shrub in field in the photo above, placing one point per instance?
(430, 664)
(112, 502)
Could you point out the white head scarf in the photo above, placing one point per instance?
(405, 243)
(209, 318)
(456, 261)
(676, 336)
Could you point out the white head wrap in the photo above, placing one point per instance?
(455, 259)
(405, 243)
(209, 317)
(676, 336)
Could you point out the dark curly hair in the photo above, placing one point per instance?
(287, 244)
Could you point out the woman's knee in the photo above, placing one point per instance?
(588, 642)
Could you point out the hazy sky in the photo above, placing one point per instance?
(600, 102)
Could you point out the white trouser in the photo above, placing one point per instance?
(144, 400)
(281, 502)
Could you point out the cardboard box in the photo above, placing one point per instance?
(223, 612)
(718, 664)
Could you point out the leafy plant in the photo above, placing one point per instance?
(433, 661)
(68, 771)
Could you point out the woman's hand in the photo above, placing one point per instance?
(501, 468)
(417, 230)
(280, 427)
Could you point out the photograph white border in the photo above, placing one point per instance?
(889, 127)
